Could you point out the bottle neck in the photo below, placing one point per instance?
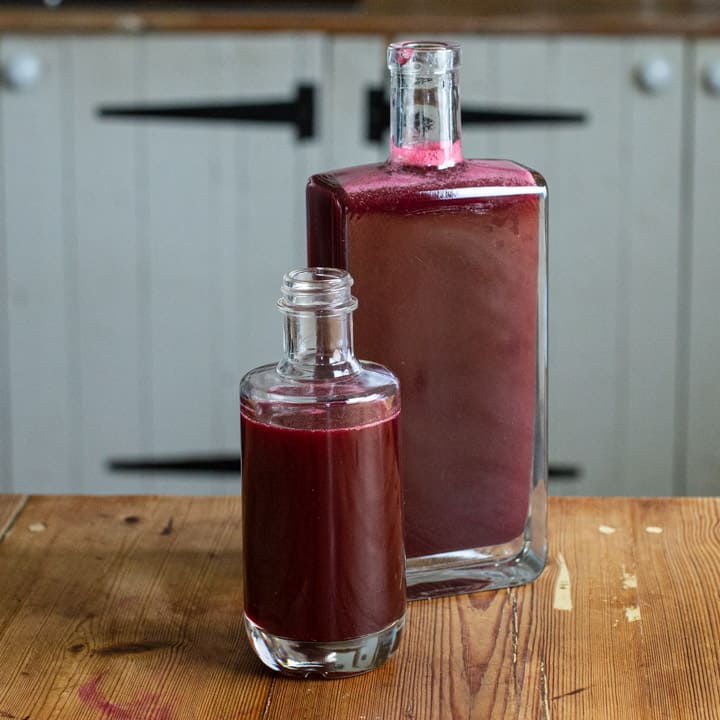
(318, 346)
(318, 338)
(424, 110)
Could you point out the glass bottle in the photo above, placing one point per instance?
(449, 260)
(322, 504)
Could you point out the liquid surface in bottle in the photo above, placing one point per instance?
(324, 556)
(445, 265)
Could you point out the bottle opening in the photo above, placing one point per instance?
(424, 104)
(423, 57)
(317, 290)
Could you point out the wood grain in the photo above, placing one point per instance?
(513, 655)
(130, 608)
(126, 608)
(401, 16)
(664, 664)
(10, 507)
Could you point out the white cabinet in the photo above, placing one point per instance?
(634, 251)
(142, 259)
(701, 261)
(614, 214)
(615, 201)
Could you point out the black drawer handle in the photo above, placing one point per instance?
(299, 112)
(230, 465)
(564, 472)
(378, 116)
(215, 464)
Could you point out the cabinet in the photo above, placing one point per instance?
(615, 204)
(142, 260)
(614, 216)
(700, 339)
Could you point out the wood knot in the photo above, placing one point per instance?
(132, 648)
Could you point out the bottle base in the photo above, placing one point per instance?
(343, 658)
(465, 571)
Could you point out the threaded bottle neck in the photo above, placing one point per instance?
(318, 341)
(424, 104)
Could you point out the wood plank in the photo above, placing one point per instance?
(480, 81)
(10, 508)
(649, 290)
(36, 166)
(131, 607)
(108, 310)
(216, 248)
(585, 243)
(179, 234)
(660, 565)
(272, 168)
(595, 660)
(5, 412)
(703, 329)
(128, 608)
(693, 20)
(344, 103)
(625, 368)
(261, 206)
(583, 75)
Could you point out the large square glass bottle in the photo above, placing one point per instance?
(449, 258)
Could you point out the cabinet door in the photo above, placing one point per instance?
(35, 329)
(614, 187)
(143, 258)
(356, 67)
(703, 328)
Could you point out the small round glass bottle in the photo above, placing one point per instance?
(322, 503)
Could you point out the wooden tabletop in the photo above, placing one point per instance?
(129, 608)
(387, 17)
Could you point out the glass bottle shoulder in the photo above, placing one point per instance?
(392, 185)
(370, 395)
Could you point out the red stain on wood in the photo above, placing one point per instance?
(129, 601)
(144, 708)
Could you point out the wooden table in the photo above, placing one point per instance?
(692, 18)
(129, 608)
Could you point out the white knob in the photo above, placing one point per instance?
(711, 77)
(654, 75)
(22, 71)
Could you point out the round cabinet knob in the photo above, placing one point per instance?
(711, 77)
(654, 76)
(22, 71)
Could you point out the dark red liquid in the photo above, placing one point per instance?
(447, 283)
(323, 538)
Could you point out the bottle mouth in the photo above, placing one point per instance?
(317, 291)
(423, 57)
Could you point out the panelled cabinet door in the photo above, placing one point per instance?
(144, 256)
(614, 215)
(357, 67)
(41, 436)
(702, 249)
(614, 189)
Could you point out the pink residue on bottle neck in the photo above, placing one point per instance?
(431, 154)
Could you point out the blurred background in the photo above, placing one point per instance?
(152, 171)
